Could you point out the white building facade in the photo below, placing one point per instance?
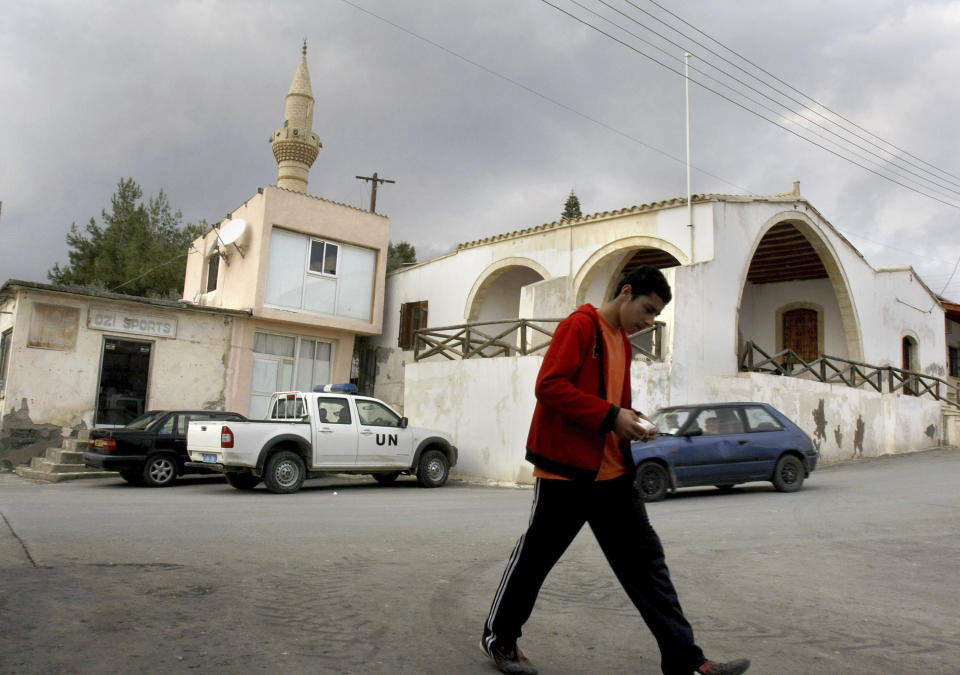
(753, 276)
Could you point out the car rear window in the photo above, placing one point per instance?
(759, 419)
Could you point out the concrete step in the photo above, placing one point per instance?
(29, 472)
(61, 456)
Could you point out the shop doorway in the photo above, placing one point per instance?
(124, 371)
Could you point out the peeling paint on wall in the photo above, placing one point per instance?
(820, 420)
(838, 436)
(931, 431)
(858, 437)
(21, 439)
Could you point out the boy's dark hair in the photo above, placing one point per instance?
(645, 280)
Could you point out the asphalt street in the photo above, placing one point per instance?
(858, 572)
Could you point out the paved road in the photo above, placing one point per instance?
(857, 573)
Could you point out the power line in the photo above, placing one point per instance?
(800, 113)
(538, 94)
(752, 112)
(786, 84)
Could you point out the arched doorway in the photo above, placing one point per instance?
(795, 295)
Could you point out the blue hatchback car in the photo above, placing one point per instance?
(722, 444)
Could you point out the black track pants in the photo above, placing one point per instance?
(619, 521)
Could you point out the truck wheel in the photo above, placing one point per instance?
(434, 469)
(160, 470)
(242, 480)
(387, 478)
(284, 472)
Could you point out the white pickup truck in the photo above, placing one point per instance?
(308, 434)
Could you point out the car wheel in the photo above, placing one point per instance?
(788, 474)
(284, 472)
(652, 481)
(132, 476)
(434, 469)
(387, 478)
(242, 480)
(160, 470)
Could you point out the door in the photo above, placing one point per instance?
(382, 442)
(335, 438)
(711, 457)
(800, 333)
(124, 372)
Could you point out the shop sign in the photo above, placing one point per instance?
(129, 322)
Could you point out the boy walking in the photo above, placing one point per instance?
(579, 444)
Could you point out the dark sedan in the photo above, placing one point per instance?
(151, 449)
(722, 444)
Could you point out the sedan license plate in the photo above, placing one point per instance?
(210, 458)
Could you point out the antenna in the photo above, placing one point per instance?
(231, 232)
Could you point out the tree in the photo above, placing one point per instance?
(571, 209)
(140, 249)
(399, 254)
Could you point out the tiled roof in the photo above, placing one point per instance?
(642, 208)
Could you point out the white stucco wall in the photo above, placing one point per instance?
(487, 405)
(187, 371)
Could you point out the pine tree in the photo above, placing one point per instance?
(140, 249)
(399, 254)
(571, 210)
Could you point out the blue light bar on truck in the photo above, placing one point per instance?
(347, 388)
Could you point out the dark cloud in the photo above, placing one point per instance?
(183, 96)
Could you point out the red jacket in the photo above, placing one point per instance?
(572, 416)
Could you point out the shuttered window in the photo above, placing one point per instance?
(413, 317)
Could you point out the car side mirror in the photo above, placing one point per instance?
(404, 422)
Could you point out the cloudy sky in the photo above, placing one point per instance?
(486, 113)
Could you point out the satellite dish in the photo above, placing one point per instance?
(232, 231)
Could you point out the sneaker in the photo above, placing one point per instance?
(509, 660)
(732, 668)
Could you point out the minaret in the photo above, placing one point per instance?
(295, 146)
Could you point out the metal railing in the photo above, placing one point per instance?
(836, 370)
(512, 337)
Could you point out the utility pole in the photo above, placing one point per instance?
(373, 192)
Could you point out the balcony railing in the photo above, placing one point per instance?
(515, 337)
(836, 370)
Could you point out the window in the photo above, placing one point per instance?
(759, 419)
(319, 276)
(376, 414)
(954, 355)
(333, 411)
(4, 357)
(413, 317)
(288, 408)
(213, 269)
(323, 257)
(715, 421)
(286, 363)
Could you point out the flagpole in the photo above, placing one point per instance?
(686, 71)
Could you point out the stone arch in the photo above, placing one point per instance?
(814, 258)
(508, 275)
(608, 262)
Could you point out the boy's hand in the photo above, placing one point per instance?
(628, 426)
